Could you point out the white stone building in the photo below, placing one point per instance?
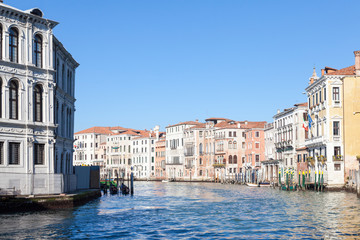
(143, 154)
(289, 136)
(87, 144)
(37, 81)
(119, 153)
(175, 157)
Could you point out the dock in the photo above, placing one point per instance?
(14, 204)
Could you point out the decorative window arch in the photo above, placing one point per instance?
(230, 159)
(38, 104)
(230, 144)
(235, 159)
(37, 50)
(234, 145)
(14, 99)
(13, 44)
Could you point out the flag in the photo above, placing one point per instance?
(310, 121)
(306, 128)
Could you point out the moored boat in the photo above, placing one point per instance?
(252, 184)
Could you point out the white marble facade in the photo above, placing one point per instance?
(37, 81)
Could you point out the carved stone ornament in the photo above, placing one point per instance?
(12, 70)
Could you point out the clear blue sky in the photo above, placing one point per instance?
(158, 62)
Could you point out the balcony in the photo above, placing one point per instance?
(189, 165)
(219, 165)
(337, 158)
(315, 141)
(257, 164)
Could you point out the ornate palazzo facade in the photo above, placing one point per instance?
(37, 80)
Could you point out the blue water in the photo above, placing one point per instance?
(196, 211)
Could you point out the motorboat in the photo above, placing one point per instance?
(252, 184)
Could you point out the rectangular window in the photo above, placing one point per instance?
(299, 158)
(39, 154)
(257, 134)
(257, 145)
(336, 129)
(1, 153)
(257, 158)
(304, 157)
(337, 167)
(14, 153)
(317, 99)
(336, 94)
(234, 134)
(337, 151)
(320, 98)
(230, 133)
(324, 94)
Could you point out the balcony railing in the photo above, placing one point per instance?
(257, 164)
(219, 165)
(337, 158)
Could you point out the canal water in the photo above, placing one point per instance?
(195, 211)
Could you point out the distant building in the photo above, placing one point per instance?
(37, 82)
(143, 154)
(290, 134)
(160, 160)
(175, 157)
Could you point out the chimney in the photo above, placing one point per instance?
(322, 72)
(357, 62)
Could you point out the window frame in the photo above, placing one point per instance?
(38, 104)
(14, 100)
(38, 51)
(10, 153)
(39, 154)
(14, 45)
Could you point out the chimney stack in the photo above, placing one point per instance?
(322, 72)
(357, 62)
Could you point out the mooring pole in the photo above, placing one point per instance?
(315, 188)
(132, 182)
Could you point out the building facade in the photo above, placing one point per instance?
(37, 105)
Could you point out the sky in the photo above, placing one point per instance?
(159, 62)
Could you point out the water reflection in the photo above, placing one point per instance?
(197, 210)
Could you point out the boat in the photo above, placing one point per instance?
(124, 189)
(113, 189)
(164, 181)
(252, 184)
(265, 184)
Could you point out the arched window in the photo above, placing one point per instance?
(13, 44)
(13, 100)
(230, 145)
(38, 104)
(37, 53)
(234, 145)
(200, 148)
(235, 159)
(230, 159)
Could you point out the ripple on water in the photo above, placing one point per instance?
(197, 211)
